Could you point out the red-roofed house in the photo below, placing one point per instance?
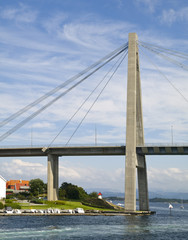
(16, 186)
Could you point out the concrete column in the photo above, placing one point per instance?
(143, 185)
(130, 164)
(141, 171)
(53, 176)
(134, 133)
(56, 179)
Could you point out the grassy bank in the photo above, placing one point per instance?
(60, 205)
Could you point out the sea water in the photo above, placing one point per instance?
(163, 225)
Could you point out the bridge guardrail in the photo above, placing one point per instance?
(98, 145)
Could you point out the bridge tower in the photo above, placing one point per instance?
(134, 134)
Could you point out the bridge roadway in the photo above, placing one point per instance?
(92, 150)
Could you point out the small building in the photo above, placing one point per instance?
(17, 186)
(99, 195)
(2, 187)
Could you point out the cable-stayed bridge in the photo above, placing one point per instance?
(99, 150)
(134, 149)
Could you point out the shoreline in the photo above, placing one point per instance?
(139, 213)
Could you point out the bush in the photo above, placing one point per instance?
(93, 195)
(37, 201)
(10, 196)
(9, 200)
(13, 205)
(1, 205)
(20, 196)
(23, 196)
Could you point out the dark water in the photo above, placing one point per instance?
(163, 225)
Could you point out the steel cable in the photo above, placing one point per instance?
(166, 77)
(65, 125)
(177, 63)
(169, 51)
(23, 122)
(96, 100)
(50, 93)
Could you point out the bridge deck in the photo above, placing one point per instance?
(91, 151)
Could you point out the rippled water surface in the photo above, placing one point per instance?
(162, 225)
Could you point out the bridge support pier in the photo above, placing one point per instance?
(53, 177)
(134, 133)
(142, 184)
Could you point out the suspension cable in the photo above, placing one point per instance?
(23, 122)
(177, 63)
(96, 99)
(165, 77)
(169, 51)
(83, 103)
(56, 89)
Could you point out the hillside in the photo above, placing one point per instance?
(97, 203)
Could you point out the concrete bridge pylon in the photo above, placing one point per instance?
(134, 138)
(53, 177)
(134, 134)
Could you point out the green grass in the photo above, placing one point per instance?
(64, 205)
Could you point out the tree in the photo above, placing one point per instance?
(37, 186)
(82, 193)
(70, 191)
(93, 195)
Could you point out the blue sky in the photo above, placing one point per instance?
(43, 43)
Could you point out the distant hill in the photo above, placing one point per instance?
(171, 200)
(157, 194)
(170, 195)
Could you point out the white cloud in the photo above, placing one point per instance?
(159, 179)
(149, 5)
(170, 16)
(20, 169)
(88, 177)
(20, 14)
(85, 176)
(69, 173)
(94, 35)
(170, 179)
(55, 23)
(21, 163)
(42, 125)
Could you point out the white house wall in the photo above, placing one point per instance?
(2, 188)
